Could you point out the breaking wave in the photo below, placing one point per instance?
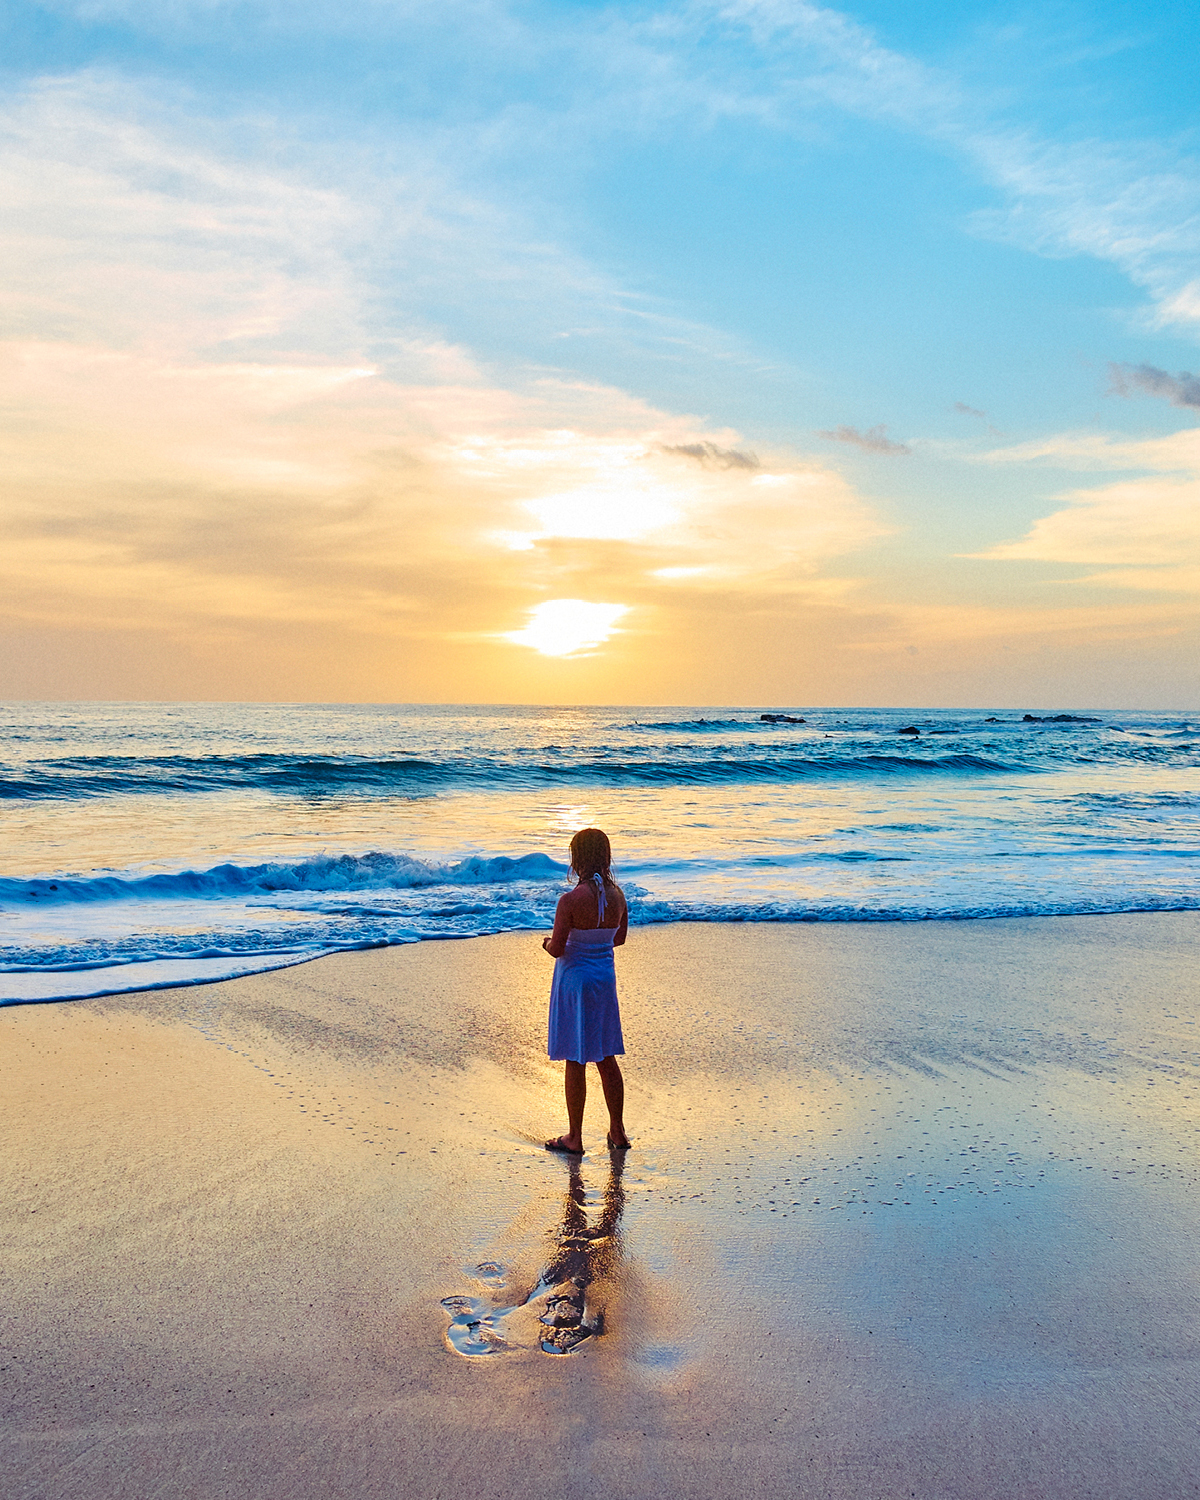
(343, 872)
(106, 776)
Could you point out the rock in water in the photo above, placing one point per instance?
(1060, 719)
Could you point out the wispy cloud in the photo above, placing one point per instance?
(1132, 203)
(212, 433)
(970, 411)
(1091, 451)
(874, 440)
(1142, 532)
(1180, 390)
(261, 380)
(980, 416)
(783, 65)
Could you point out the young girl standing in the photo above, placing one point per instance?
(585, 1021)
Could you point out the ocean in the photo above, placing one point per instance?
(148, 845)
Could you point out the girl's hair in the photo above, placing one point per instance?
(591, 854)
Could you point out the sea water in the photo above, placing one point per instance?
(161, 844)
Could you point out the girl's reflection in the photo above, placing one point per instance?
(582, 1253)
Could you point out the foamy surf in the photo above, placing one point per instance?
(31, 986)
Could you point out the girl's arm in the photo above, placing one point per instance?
(556, 944)
(623, 924)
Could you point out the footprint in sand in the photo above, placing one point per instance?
(581, 1252)
(474, 1326)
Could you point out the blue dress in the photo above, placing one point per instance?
(585, 1021)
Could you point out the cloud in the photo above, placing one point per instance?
(1141, 532)
(710, 454)
(982, 416)
(780, 65)
(216, 436)
(322, 387)
(874, 440)
(1084, 451)
(251, 238)
(1180, 390)
(1132, 203)
(625, 488)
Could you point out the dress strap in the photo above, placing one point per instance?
(598, 882)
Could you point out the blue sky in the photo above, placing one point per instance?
(344, 339)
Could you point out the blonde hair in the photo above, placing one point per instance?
(591, 854)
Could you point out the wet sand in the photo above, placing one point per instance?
(913, 1210)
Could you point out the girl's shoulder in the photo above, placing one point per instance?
(615, 897)
(580, 901)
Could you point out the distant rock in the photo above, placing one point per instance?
(780, 719)
(1058, 719)
(992, 721)
(910, 729)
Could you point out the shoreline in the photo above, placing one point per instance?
(910, 1204)
(163, 974)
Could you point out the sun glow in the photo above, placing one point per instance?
(611, 512)
(567, 627)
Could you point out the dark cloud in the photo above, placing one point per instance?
(874, 440)
(1180, 390)
(712, 456)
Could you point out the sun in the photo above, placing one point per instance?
(567, 627)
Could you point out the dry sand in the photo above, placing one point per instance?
(912, 1212)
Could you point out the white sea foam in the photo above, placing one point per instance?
(152, 974)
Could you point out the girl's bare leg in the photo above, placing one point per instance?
(575, 1088)
(614, 1096)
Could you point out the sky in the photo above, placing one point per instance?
(551, 351)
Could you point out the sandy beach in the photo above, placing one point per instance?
(912, 1211)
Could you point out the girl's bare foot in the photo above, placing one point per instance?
(563, 1143)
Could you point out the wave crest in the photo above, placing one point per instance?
(342, 872)
(106, 776)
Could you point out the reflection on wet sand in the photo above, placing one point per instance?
(581, 1254)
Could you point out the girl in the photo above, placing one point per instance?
(585, 1022)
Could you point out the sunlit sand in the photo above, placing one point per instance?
(911, 1209)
